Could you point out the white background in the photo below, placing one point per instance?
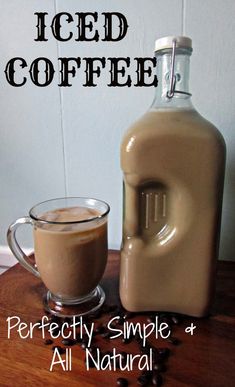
(56, 141)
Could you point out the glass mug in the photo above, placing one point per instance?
(70, 248)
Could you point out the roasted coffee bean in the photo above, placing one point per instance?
(144, 350)
(106, 335)
(100, 330)
(59, 349)
(143, 380)
(113, 324)
(173, 340)
(68, 342)
(84, 344)
(159, 366)
(93, 351)
(175, 319)
(147, 375)
(123, 355)
(122, 382)
(56, 332)
(157, 379)
(163, 315)
(165, 318)
(150, 319)
(164, 352)
(121, 320)
(68, 320)
(127, 340)
(128, 315)
(48, 342)
(55, 319)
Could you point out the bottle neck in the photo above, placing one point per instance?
(181, 72)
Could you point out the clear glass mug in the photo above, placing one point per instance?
(71, 249)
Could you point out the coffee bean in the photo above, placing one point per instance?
(128, 315)
(122, 382)
(164, 352)
(161, 355)
(48, 342)
(55, 319)
(106, 335)
(121, 320)
(127, 340)
(147, 375)
(160, 367)
(144, 350)
(68, 342)
(173, 340)
(100, 329)
(56, 331)
(92, 349)
(59, 349)
(163, 315)
(175, 319)
(143, 380)
(157, 380)
(68, 320)
(123, 355)
(84, 344)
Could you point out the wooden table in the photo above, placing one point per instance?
(205, 359)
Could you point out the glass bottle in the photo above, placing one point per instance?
(173, 162)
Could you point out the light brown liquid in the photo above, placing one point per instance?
(71, 258)
(173, 164)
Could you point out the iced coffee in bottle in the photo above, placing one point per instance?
(173, 163)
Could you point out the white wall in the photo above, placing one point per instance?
(56, 141)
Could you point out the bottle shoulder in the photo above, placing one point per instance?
(175, 123)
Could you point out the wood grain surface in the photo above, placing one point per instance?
(204, 359)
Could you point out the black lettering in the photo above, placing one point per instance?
(142, 71)
(10, 71)
(65, 71)
(56, 26)
(90, 71)
(83, 26)
(41, 26)
(123, 26)
(115, 71)
(49, 72)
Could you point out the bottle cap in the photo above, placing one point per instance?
(167, 42)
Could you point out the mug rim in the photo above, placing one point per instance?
(98, 217)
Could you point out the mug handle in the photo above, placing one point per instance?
(14, 245)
